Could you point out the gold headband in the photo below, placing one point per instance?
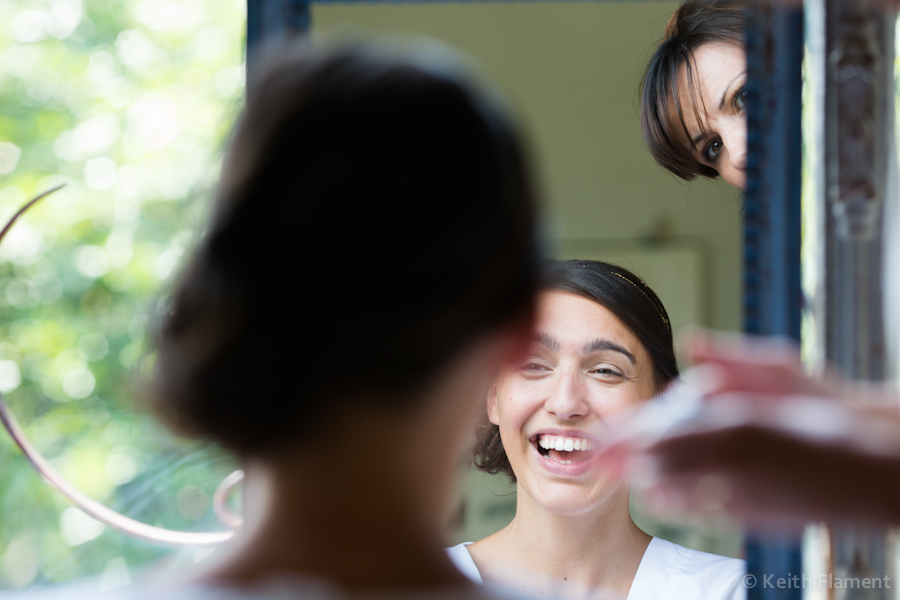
(658, 311)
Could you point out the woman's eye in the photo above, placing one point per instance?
(712, 152)
(740, 99)
(606, 372)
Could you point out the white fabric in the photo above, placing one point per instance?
(461, 558)
(667, 572)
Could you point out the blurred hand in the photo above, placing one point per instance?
(771, 476)
(766, 366)
(771, 444)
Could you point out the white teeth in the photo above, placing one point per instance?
(563, 444)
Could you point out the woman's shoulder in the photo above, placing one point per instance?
(687, 574)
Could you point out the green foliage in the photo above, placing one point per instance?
(129, 103)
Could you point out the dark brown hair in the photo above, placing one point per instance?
(372, 204)
(694, 24)
(626, 296)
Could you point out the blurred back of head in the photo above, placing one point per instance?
(375, 218)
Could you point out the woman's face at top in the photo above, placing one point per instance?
(583, 365)
(720, 140)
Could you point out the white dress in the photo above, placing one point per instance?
(667, 572)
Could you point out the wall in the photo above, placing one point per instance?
(572, 71)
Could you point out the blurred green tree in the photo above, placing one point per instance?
(129, 103)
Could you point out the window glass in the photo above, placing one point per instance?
(128, 102)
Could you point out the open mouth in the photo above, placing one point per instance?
(563, 449)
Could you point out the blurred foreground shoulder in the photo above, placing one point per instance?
(294, 589)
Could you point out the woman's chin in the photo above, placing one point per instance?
(571, 499)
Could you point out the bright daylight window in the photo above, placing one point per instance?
(129, 103)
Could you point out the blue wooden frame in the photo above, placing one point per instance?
(773, 295)
(273, 18)
(772, 285)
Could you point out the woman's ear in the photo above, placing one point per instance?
(492, 412)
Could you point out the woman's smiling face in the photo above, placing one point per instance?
(583, 364)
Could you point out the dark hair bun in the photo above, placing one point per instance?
(375, 217)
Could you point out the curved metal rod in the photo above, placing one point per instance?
(26, 206)
(225, 515)
(90, 506)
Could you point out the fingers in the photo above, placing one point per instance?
(717, 472)
(708, 346)
(762, 446)
(768, 476)
(692, 455)
(768, 366)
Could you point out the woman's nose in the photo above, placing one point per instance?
(735, 140)
(569, 399)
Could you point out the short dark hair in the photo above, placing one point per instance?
(694, 24)
(372, 205)
(626, 296)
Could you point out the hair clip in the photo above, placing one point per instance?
(658, 311)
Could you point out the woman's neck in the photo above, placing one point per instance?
(575, 556)
(334, 511)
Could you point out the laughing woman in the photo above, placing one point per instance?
(602, 343)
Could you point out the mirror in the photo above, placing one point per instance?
(572, 72)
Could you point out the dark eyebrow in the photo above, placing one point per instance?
(728, 87)
(600, 345)
(545, 340)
